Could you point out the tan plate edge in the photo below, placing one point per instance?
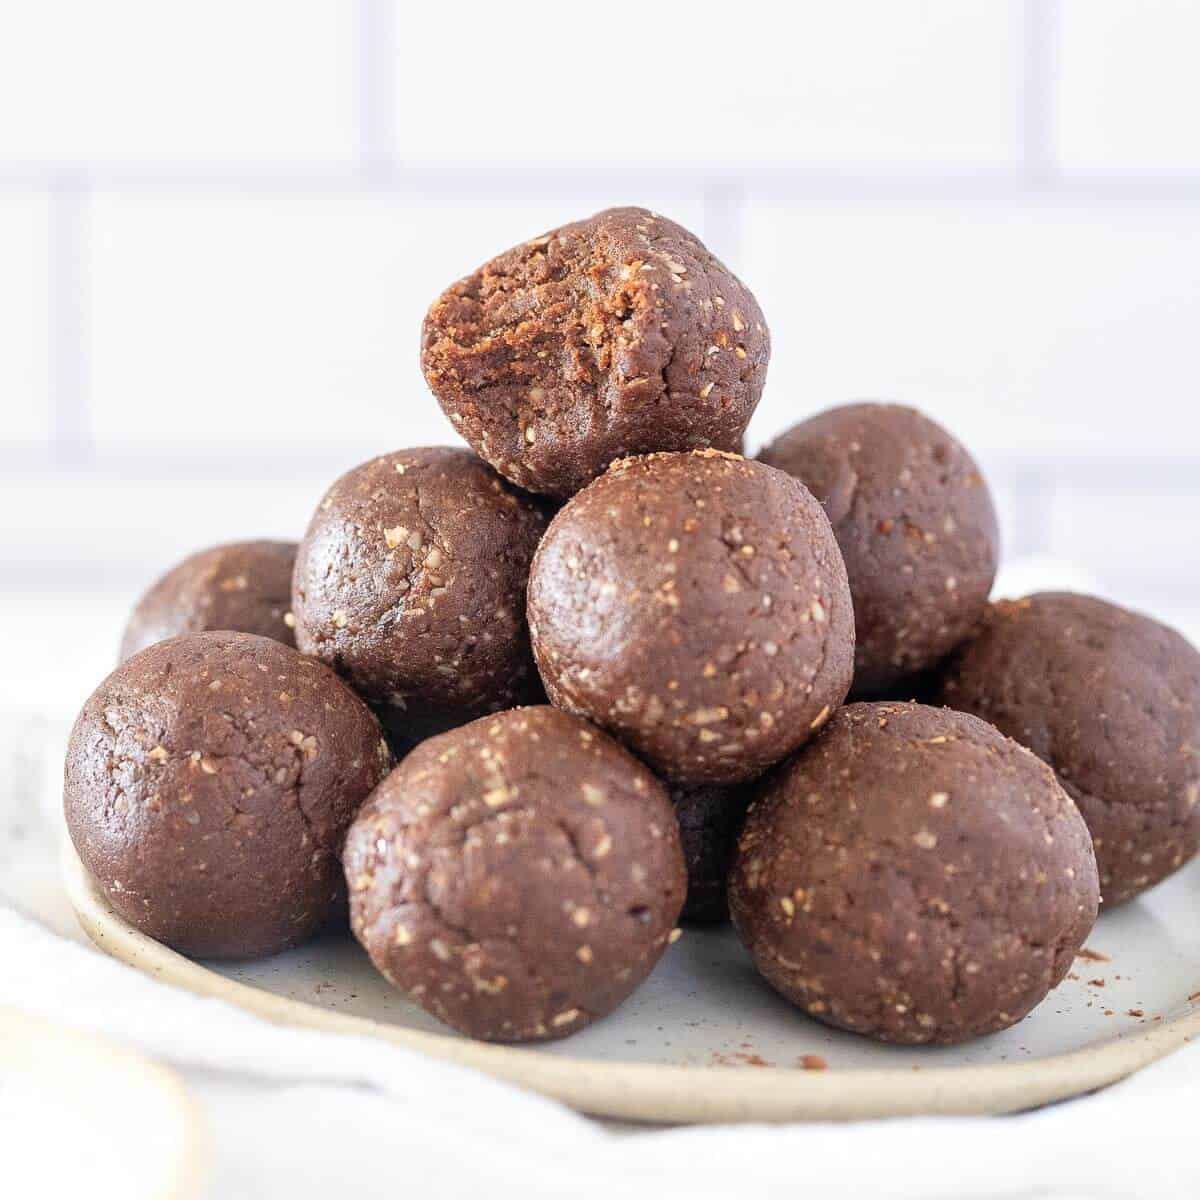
(646, 1092)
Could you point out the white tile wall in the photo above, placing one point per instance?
(276, 318)
(119, 529)
(1139, 535)
(1127, 90)
(143, 81)
(708, 82)
(283, 317)
(1025, 328)
(220, 225)
(24, 317)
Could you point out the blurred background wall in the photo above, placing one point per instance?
(221, 223)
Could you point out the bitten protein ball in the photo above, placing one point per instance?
(1111, 700)
(710, 818)
(916, 526)
(612, 336)
(410, 582)
(517, 877)
(210, 780)
(696, 606)
(245, 587)
(914, 876)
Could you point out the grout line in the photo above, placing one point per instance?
(1039, 91)
(70, 425)
(376, 91)
(723, 220)
(1035, 474)
(801, 185)
(1034, 491)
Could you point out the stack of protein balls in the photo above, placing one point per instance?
(914, 872)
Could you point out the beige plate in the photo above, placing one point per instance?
(705, 1040)
(68, 1101)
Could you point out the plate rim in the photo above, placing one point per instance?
(664, 1094)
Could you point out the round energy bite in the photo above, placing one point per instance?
(404, 730)
(916, 526)
(410, 582)
(696, 606)
(1111, 700)
(517, 877)
(913, 876)
(710, 818)
(209, 782)
(244, 586)
(616, 335)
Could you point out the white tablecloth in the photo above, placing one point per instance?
(295, 1114)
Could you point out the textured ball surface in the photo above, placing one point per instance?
(209, 782)
(710, 818)
(616, 335)
(245, 587)
(696, 606)
(916, 526)
(517, 877)
(914, 876)
(410, 583)
(1111, 700)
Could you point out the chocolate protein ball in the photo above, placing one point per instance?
(209, 782)
(916, 526)
(406, 730)
(245, 586)
(694, 605)
(710, 818)
(612, 336)
(1111, 700)
(410, 582)
(913, 876)
(517, 877)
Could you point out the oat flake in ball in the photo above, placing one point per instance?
(1111, 700)
(410, 582)
(916, 526)
(694, 605)
(245, 587)
(209, 782)
(616, 335)
(517, 877)
(914, 876)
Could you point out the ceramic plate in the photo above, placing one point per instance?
(68, 1101)
(704, 1039)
